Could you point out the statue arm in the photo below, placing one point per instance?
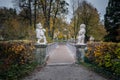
(44, 30)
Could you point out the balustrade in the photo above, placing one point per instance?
(43, 51)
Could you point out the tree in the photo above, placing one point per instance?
(46, 8)
(59, 8)
(112, 21)
(14, 30)
(87, 14)
(12, 27)
(26, 7)
(5, 16)
(35, 11)
(61, 29)
(43, 9)
(74, 18)
(51, 9)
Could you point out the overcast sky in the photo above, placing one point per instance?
(99, 4)
(6, 3)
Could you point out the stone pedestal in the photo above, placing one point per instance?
(40, 53)
(80, 52)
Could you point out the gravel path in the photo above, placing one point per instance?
(64, 72)
(61, 66)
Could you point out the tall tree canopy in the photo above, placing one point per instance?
(43, 11)
(52, 9)
(19, 25)
(87, 14)
(11, 25)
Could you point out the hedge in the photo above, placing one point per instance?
(16, 59)
(106, 56)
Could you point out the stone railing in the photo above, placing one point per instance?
(72, 47)
(77, 50)
(50, 48)
(43, 51)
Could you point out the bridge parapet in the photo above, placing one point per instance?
(43, 51)
(78, 51)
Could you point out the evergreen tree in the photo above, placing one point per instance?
(112, 21)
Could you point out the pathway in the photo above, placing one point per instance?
(60, 67)
(61, 55)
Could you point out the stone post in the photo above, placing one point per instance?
(80, 52)
(40, 53)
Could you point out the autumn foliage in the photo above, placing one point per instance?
(16, 59)
(105, 55)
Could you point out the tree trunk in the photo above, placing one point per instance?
(35, 3)
(30, 11)
(54, 18)
(49, 15)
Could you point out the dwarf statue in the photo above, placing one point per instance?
(81, 34)
(40, 34)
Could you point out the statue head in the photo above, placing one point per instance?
(39, 25)
(82, 26)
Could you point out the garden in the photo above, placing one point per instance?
(104, 58)
(18, 38)
(16, 59)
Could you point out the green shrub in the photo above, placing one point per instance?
(16, 59)
(105, 55)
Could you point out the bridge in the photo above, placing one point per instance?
(61, 55)
(61, 66)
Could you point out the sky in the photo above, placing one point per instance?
(99, 4)
(6, 3)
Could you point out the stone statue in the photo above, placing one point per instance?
(40, 34)
(81, 34)
(91, 39)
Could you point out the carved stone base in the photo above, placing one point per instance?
(80, 52)
(40, 53)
